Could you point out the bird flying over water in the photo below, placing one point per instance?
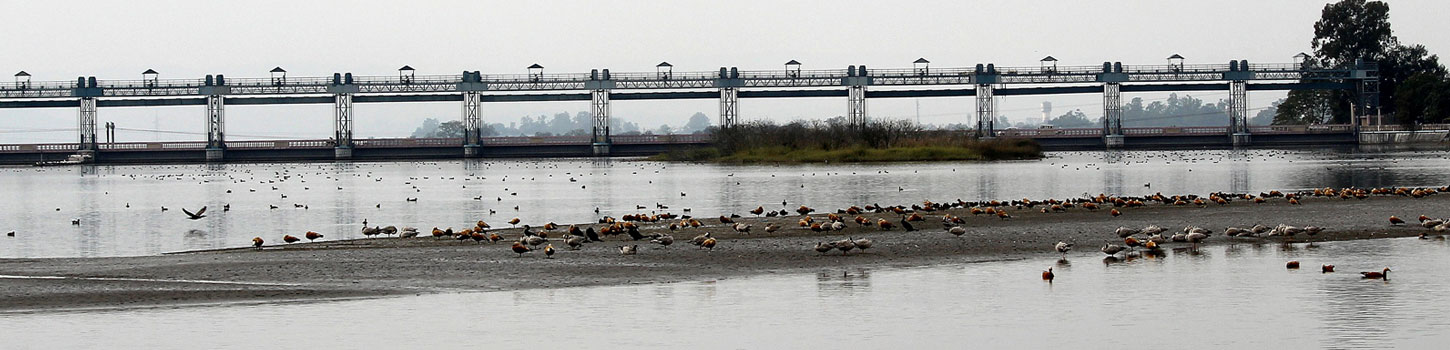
(200, 213)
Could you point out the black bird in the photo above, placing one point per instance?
(528, 231)
(634, 233)
(593, 237)
(906, 225)
(200, 213)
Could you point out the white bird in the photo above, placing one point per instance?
(1062, 247)
(1112, 249)
(845, 245)
(1124, 232)
(1152, 230)
(862, 243)
(629, 249)
(824, 247)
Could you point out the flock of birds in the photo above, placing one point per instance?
(903, 217)
(1135, 241)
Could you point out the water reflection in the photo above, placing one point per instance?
(1248, 295)
(844, 283)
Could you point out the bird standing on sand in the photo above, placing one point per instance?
(257, 242)
(957, 230)
(709, 244)
(663, 240)
(905, 225)
(845, 245)
(862, 243)
(290, 239)
(520, 248)
(549, 251)
(699, 240)
(823, 247)
(1396, 221)
(313, 236)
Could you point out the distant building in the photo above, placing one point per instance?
(1046, 112)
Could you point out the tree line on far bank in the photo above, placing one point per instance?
(561, 124)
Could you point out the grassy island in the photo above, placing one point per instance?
(834, 141)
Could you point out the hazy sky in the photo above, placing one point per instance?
(59, 40)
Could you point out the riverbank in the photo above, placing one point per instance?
(392, 266)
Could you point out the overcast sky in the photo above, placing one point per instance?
(59, 40)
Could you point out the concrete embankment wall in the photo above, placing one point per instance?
(1402, 137)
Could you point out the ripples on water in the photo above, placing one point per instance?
(542, 190)
(1237, 296)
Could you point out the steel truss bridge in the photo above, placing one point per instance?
(857, 84)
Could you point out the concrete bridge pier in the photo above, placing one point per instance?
(1112, 115)
(1238, 109)
(216, 144)
(599, 101)
(986, 112)
(1113, 141)
(1241, 139)
(86, 117)
(729, 97)
(472, 129)
(342, 89)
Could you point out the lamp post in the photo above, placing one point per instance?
(536, 72)
(921, 66)
(279, 76)
(405, 74)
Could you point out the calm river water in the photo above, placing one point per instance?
(1222, 297)
(119, 208)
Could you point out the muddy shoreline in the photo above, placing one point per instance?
(396, 266)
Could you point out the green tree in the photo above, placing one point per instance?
(1349, 31)
(1423, 98)
(1266, 115)
(452, 128)
(697, 123)
(1072, 119)
(1303, 107)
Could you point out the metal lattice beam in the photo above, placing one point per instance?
(1238, 107)
(986, 111)
(342, 120)
(472, 122)
(87, 120)
(856, 105)
(1112, 109)
(729, 99)
(216, 122)
(599, 101)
